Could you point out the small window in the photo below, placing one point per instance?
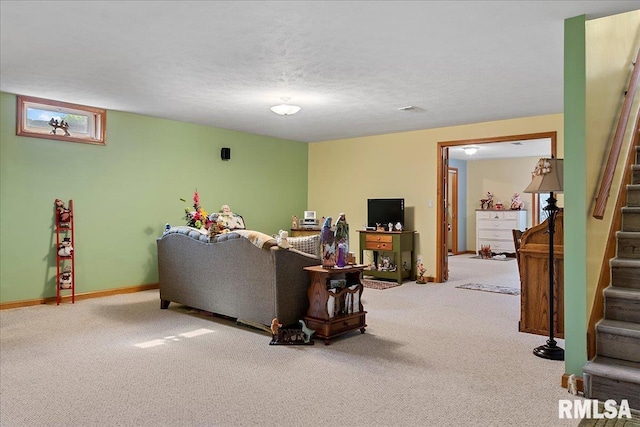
(43, 118)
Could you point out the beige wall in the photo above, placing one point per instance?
(609, 56)
(343, 174)
(503, 177)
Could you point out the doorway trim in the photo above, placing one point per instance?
(442, 183)
(454, 209)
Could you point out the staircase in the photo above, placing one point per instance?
(615, 371)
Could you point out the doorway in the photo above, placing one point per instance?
(443, 184)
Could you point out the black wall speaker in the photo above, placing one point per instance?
(225, 153)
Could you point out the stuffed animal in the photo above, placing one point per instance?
(282, 240)
(65, 248)
(65, 278)
(64, 214)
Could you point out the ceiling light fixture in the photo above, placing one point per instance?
(285, 109)
(470, 150)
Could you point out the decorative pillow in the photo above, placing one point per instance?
(308, 244)
(228, 221)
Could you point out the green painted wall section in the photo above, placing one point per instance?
(575, 292)
(126, 191)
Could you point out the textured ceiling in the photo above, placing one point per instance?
(350, 65)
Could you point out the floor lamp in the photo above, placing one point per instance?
(547, 178)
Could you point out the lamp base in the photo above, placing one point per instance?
(551, 352)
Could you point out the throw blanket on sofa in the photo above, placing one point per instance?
(261, 240)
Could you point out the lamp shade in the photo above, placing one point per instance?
(285, 109)
(547, 177)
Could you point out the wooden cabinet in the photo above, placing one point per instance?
(534, 279)
(65, 254)
(495, 228)
(334, 309)
(395, 242)
(302, 232)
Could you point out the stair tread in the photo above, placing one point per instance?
(628, 234)
(618, 327)
(620, 292)
(621, 370)
(631, 209)
(625, 262)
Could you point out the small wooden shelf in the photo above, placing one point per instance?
(347, 314)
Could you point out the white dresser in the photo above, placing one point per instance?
(494, 228)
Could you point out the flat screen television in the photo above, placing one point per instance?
(385, 211)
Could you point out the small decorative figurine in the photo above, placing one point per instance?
(390, 225)
(65, 249)
(59, 125)
(485, 251)
(516, 202)
(65, 278)
(328, 244)
(64, 214)
(420, 279)
(342, 239)
(294, 222)
(290, 335)
(488, 202)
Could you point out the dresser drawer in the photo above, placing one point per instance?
(378, 238)
(379, 246)
(497, 245)
(347, 324)
(506, 224)
(511, 214)
(495, 234)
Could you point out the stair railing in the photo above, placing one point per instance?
(616, 146)
(597, 310)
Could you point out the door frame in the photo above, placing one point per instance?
(442, 182)
(454, 208)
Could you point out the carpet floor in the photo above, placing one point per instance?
(432, 355)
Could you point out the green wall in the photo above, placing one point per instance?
(575, 196)
(126, 191)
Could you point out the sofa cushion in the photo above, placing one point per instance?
(308, 244)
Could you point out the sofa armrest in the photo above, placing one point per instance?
(292, 283)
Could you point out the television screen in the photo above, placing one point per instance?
(385, 211)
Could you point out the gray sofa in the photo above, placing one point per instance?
(233, 276)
